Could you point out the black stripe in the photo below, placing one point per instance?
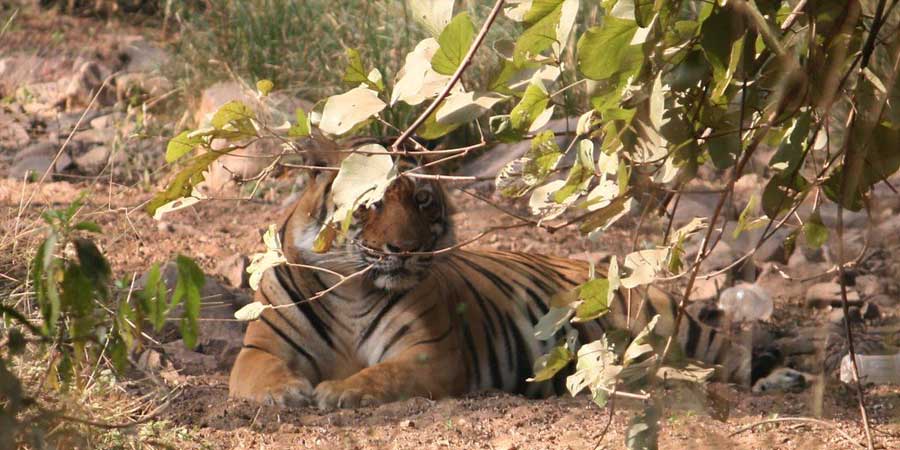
(473, 354)
(369, 310)
(438, 338)
(295, 346)
(523, 359)
(322, 329)
(480, 299)
(377, 320)
(402, 332)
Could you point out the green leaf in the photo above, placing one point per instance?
(815, 232)
(781, 192)
(265, 87)
(94, 265)
(540, 34)
(520, 175)
(454, 42)
(594, 296)
(746, 220)
(77, 300)
(89, 226)
(301, 129)
(721, 40)
(44, 273)
(552, 322)
(606, 50)
(547, 366)
(181, 145)
(183, 184)
(724, 149)
(153, 298)
(355, 72)
(533, 103)
(793, 147)
(580, 175)
(235, 117)
(187, 290)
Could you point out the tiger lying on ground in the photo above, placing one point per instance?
(421, 325)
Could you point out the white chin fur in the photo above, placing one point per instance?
(395, 282)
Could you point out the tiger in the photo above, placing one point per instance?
(421, 322)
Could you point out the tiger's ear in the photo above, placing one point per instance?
(320, 151)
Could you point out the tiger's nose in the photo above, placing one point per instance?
(402, 246)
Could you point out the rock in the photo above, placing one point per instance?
(884, 300)
(107, 120)
(744, 188)
(140, 55)
(36, 159)
(190, 362)
(13, 134)
(234, 270)
(248, 162)
(96, 136)
(822, 295)
(86, 83)
(868, 285)
(746, 303)
(94, 160)
(141, 84)
(836, 315)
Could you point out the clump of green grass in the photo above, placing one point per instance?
(300, 45)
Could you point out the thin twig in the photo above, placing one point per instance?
(797, 419)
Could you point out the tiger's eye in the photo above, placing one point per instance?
(424, 198)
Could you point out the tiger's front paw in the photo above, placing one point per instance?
(293, 392)
(340, 394)
(783, 379)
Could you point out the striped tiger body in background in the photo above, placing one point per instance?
(420, 325)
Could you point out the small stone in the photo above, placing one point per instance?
(407, 424)
(823, 295)
(836, 316)
(12, 134)
(165, 227)
(884, 300)
(106, 121)
(94, 160)
(36, 159)
(96, 136)
(868, 285)
(234, 270)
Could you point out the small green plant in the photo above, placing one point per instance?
(88, 320)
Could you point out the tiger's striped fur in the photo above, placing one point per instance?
(416, 325)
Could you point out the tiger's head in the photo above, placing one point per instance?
(390, 235)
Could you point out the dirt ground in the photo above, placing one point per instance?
(194, 398)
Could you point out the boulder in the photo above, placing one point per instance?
(36, 159)
(248, 162)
